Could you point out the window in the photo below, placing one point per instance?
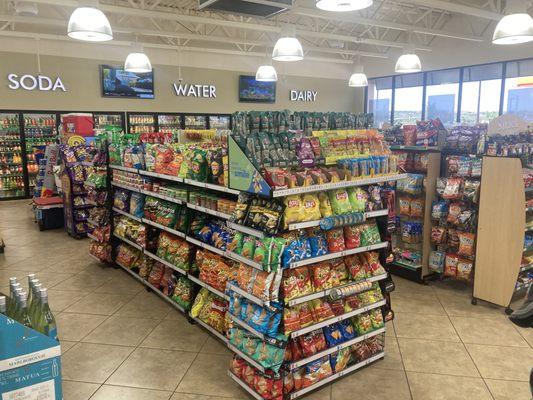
(518, 98)
(442, 95)
(380, 100)
(408, 96)
(480, 101)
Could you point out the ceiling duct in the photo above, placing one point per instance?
(256, 8)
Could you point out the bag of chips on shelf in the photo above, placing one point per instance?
(436, 261)
(376, 317)
(321, 310)
(291, 319)
(352, 236)
(358, 198)
(324, 205)
(335, 239)
(183, 292)
(464, 270)
(466, 244)
(306, 314)
(450, 265)
(340, 202)
(362, 323)
(317, 242)
(312, 343)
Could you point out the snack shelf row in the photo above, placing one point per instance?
(338, 318)
(163, 227)
(527, 267)
(165, 262)
(127, 241)
(338, 254)
(247, 358)
(161, 196)
(251, 297)
(311, 224)
(91, 236)
(310, 388)
(208, 287)
(216, 333)
(337, 185)
(130, 216)
(253, 331)
(324, 293)
(245, 229)
(334, 349)
(153, 288)
(209, 211)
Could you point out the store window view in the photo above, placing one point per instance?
(272, 200)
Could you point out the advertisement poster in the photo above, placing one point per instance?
(242, 174)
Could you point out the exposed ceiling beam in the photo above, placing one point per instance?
(171, 14)
(457, 8)
(187, 36)
(354, 18)
(64, 38)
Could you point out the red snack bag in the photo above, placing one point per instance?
(450, 265)
(304, 281)
(288, 383)
(307, 316)
(339, 268)
(335, 239)
(321, 310)
(263, 385)
(466, 243)
(291, 319)
(312, 343)
(297, 376)
(290, 284)
(237, 365)
(352, 303)
(248, 375)
(356, 266)
(337, 307)
(321, 276)
(352, 236)
(277, 389)
(295, 351)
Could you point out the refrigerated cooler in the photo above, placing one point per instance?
(40, 130)
(170, 123)
(109, 121)
(12, 183)
(142, 123)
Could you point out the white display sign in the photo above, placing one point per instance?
(303, 95)
(39, 82)
(188, 90)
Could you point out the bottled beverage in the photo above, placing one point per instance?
(12, 285)
(12, 310)
(45, 321)
(22, 315)
(3, 305)
(31, 278)
(36, 302)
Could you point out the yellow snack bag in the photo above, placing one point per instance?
(324, 205)
(294, 210)
(311, 208)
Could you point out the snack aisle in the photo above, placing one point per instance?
(305, 303)
(12, 183)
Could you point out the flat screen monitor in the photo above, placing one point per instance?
(252, 91)
(118, 83)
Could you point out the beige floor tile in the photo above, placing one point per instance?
(61, 299)
(75, 327)
(99, 303)
(461, 306)
(405, 286)
(372, 384)
(88, 362)
(214, 346)
(420, 326)
(323, 393)
(122, 331)
(509, 390)
(66, 345)
(393, 358)
(87, 281)
(71, 265)
(526, 333)
(496, 362)
(389, 329)
(108, 392)
(145, 305)
(436, 357)
(445, 387)
(188, 396)
(416, 303)
(209, 375)
(153, 369)
(78, 390)
(490, 331)
(176, 335)
(121, 285)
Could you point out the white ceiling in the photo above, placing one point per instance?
(377, 34)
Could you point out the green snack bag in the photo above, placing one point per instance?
(260, 252)
(236, 243)
(340, 203)
(248, 247)
(198, 170)
(357, 197)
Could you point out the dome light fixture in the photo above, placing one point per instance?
(137, 62)
(516, 27)
(89, 24)
(266, 73)
(288, 48)
(358, 78)
(343, 5)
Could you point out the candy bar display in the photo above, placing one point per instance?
(465, 139)
(453, 234)
(518, 145)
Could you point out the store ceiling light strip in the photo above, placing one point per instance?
(343, 5)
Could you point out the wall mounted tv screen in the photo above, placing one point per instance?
(118, 83)
(252, 91)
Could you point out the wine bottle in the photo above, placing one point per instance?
(46, 322)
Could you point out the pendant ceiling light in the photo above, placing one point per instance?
(137, 61)
(288, 48)
(343, 5)
(266, 73)
(89, 24)
(516, 27)
(358, 78)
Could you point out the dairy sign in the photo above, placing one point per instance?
(190, 90)
(303, 95)
(31, 82)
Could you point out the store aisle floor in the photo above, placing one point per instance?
(121, 342)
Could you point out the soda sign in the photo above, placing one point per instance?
(31, 82)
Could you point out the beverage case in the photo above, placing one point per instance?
(30, 363)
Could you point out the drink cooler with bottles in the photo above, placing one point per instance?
(30, 363)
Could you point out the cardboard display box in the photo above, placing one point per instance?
(30, 363)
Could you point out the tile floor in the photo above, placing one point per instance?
(121, 342)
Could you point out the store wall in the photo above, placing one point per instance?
(81, 78)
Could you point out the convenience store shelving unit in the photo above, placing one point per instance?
(238, 258)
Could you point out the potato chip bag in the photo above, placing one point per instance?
(248, 247)
(335, 239)
(341, 359)
(312, 343)
(324, 205)
(466, 244)
(311, 208)
(358, 198)
(294, 210)
(306, 314)
(352, 236)
(321, 276)
(291, 319)
(262, 282)
(340, 202)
